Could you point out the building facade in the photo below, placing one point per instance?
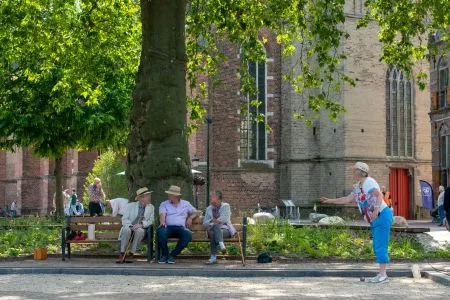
(440, 116)
(386, 125)
(30, 180)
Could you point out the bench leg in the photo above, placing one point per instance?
(63, 244)
(157, 247)
(244, 237)
(149, 243)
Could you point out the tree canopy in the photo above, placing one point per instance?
(66, 73)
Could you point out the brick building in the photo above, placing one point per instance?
(31, 182)
(440, 117)
(386, 125)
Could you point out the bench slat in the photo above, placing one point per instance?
(199, 227)
(92, 241)
(107, 235)
(234, 220)
(97, 227)
(232, 240)
(102, 219)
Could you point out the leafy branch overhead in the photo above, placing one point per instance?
(311, 32)
(67, 71)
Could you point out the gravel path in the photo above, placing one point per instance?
(16, 287)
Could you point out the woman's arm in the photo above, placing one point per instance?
(340, 201)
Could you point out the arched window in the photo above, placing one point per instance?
(253, 133)
(399, 114)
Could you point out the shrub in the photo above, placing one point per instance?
(106, 167)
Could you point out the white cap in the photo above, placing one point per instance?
(362, 166)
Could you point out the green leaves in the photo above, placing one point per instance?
(67, 70)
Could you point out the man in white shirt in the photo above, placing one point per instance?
(137, 216)
(117, 206)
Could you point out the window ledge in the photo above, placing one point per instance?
(256, 164)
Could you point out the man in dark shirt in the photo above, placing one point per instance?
(447, 205)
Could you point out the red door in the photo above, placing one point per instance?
(399, 188)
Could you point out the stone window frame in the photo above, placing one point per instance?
(399, 99)
(245, 156)
(442, 88)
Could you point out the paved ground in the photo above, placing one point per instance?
(183, 263)
(16, 287)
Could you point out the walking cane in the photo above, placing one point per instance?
(242, 252)
(122, 260)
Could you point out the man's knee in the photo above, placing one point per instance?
(126, 230)
(162, 233)
(186, 236)
(140, 232)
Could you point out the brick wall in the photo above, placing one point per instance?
(244, 184)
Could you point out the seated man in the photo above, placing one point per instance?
(79, 208)
(117, 206)
(136, 218)
(218, 224)
(175, 215)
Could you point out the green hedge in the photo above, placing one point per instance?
(106, 167)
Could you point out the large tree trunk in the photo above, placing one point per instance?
(157, 150)
(58, 190)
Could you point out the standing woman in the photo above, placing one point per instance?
(370, 202)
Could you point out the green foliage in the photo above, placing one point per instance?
(309, 32)
(405, 27)
(315, 242)
(106, 167)
(67, 70)
(25, 234)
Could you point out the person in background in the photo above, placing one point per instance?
(96, 196)
(13, 209)
(440, 205)
(117, 206)
(447, 205)
(73, 203)
(175, 217)
(217, 223)
(79, 208)
(386, 196)
(370, 202)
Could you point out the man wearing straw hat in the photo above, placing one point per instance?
(175, 216)
(136, 217)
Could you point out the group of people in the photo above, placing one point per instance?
(10, 211)
(175, 219)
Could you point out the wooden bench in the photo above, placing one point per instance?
(199, 235)
(107, 230)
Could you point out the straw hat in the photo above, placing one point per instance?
(174, 190)
(142, 191)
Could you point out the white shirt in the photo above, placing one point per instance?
(118, 206)
(441, 198)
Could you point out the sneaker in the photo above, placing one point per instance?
(211, 261)
(162, 260)
(171, 260)
(378, 279)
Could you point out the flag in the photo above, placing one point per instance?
(427, 194)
